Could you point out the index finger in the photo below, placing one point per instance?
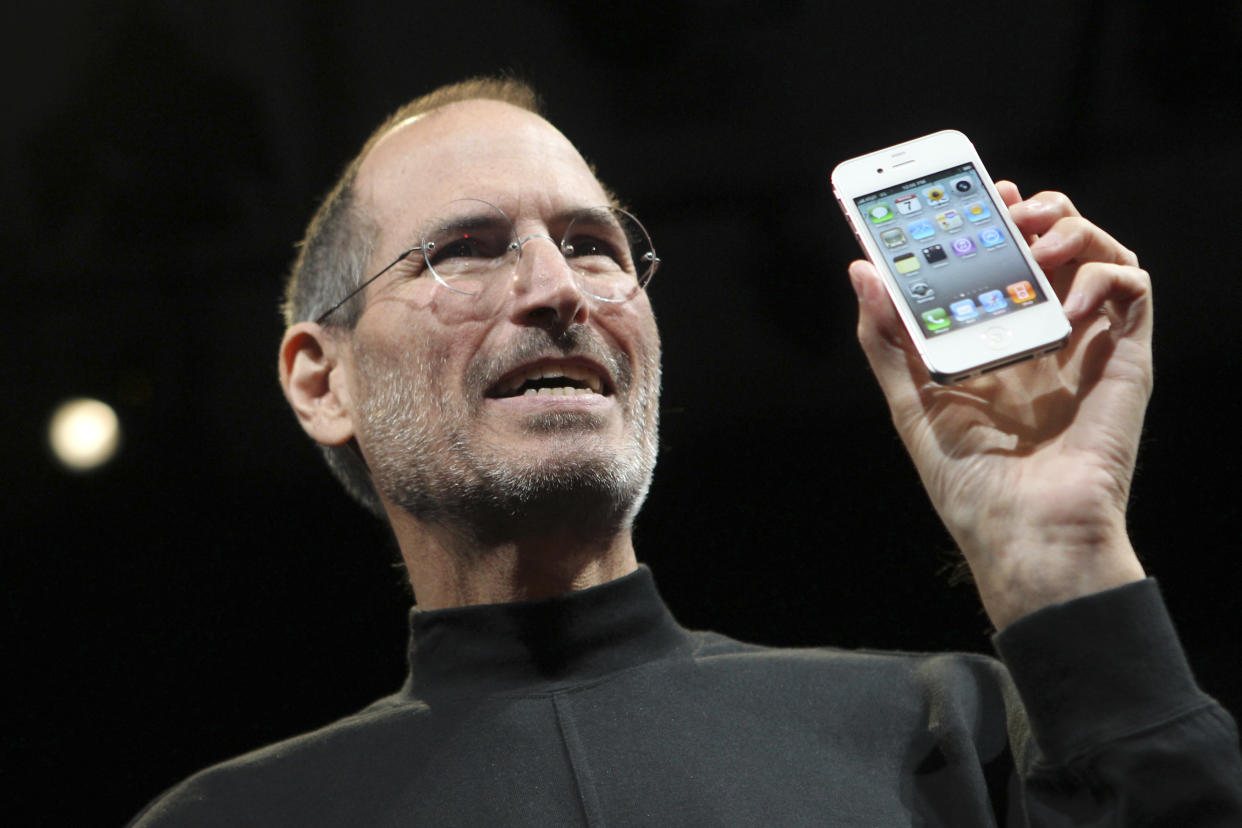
(1008, 192)
(1074, 239)
(1037, 214)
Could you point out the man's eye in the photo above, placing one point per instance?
(463, 248)
(593, 251)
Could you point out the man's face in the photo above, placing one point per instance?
(440, 380)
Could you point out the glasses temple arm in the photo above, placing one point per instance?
(319, 319)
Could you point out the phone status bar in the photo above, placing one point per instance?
(914, 183)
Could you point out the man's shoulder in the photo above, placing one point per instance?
(855, 666)
(242, 790)
(711, 644)
(871, 697)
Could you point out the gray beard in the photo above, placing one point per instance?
(424, 460)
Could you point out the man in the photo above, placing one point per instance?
(493, 390)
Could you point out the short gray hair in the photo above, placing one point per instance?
(333, 255)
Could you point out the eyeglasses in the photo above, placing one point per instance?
(474, 249)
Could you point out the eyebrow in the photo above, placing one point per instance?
(464, 221)
(480, 219)
(470, 220)
(566, 216)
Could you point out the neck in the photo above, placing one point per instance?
(449, 567)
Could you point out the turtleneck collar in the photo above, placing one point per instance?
(541, 645)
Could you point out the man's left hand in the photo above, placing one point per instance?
(1030, 466)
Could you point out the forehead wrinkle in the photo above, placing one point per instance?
(552, 205)
(472, 149)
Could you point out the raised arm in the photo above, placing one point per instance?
(1030, 469)
(1030, 466)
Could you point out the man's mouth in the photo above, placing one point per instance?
(559, 379)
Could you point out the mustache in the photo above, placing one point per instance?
(539, 343)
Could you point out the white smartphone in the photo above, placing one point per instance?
(929, 218)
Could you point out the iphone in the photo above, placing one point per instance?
(929, 218)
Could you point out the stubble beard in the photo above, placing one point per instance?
(428, 458)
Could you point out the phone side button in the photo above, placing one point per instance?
(996, 337)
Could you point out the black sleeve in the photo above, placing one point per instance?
(1121, 734)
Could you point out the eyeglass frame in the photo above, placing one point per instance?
(516, 244)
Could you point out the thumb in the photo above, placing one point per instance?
(884, 339)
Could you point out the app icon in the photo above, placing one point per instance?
(978, 211)
(935, 319)
(922, 291)
(991, 237)
(1020, 292)
(934, 254)
(880, 213)
(907, 204)
(935, 195)
(920, 230)
(893, 238)
(964, 310)
(992, 301)
(964, 246)
(949, 220)
(963, 185)
(906, 263)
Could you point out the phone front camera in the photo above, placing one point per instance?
(879, 169)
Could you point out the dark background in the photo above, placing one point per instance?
(210, 590)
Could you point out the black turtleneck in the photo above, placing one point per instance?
(596, 708)
(545, 644)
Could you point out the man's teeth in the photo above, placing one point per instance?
(563, 391)
(579, 381)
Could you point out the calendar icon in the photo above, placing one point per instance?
(907, 204)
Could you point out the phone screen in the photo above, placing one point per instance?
(954, 259)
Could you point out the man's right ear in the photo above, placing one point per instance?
(313, 377)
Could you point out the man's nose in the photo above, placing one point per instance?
(545, 289)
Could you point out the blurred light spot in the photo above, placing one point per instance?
(84, 434)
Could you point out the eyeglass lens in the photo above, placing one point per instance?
(477, 247)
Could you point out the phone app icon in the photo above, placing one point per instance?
(920, 230)
(934, 254)
(935, 195)
(880, 213)
(978, 211)
(949, 219)
(963, 185)
(906, 263)
(991, 237)
(992, 301)
(964, 311)
(893, 238)
(935, 319)
(1020, 292)
(964, 246)
(907, 204)
(922, 291)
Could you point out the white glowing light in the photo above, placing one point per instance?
(84, 433)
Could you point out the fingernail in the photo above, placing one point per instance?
(1074, 302)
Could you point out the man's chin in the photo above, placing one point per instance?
(581, 489)
(555, 457)
(551, 437)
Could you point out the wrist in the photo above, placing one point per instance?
(1048, 566)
